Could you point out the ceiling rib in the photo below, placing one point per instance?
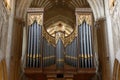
(51, 3)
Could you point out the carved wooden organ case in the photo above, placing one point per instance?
(67, 55)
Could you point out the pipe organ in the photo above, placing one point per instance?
(59, 50)
(48, 54)
(85, 45)
(71, 53)
(34, 45)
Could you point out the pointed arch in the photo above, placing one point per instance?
(98, 8)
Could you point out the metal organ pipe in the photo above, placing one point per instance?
(34, 44)
(59, 54)
(31, 51)
(84, 40)
(38, 47)
(38, 44)
(88, 46)
(28, 52)
(81, 47)
(90, 36)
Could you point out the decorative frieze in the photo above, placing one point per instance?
(35, 14)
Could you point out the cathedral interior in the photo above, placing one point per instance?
(59, 40)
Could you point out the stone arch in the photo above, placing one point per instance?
(98, 8)
(96, 5)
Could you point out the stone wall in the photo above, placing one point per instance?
(115, 19)
(3, 39)
(3, 29)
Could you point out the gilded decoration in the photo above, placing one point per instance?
(60, 35)
(70, 38)
(48, 37)
(86, 17)
(34, 16)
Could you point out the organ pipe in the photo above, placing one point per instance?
(81, 47)
(71, 53)
(59, 54)
(28, 54)
(34, 45)
(34, 42)
(35, 48)
(85, 40)
(90, 47)
(31, 49)
(48, 53)
(84, 44)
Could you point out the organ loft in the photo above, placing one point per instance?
(60, 50)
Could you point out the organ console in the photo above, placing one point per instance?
(69, 57)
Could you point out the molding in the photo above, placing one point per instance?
(35, 14)
(20, 21)
(83, 10)
(34, 10)
(99, 21)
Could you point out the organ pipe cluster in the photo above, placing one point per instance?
(42, 53)
(85, 46)
(34, 45)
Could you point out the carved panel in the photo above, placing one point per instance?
(86, 17)
(35, 14)
(84, 14)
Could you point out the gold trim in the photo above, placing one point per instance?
(34, 16)
(85, 56)
(60, 35)
(70, 38)
(60, 60)
(86, 17)
(71, 57)
(30, 55)
(49, 38)
(44, 58)
(53, 40)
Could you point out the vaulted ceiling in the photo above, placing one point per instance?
(51, 3)
(97, 6)
(55, 8)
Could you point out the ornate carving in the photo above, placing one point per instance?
(61, 35)
(48, 37)
(86, 17)
(66, 40)
(70, 38)
(34, 16)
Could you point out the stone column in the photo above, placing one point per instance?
(104, 62)
(16, 49)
